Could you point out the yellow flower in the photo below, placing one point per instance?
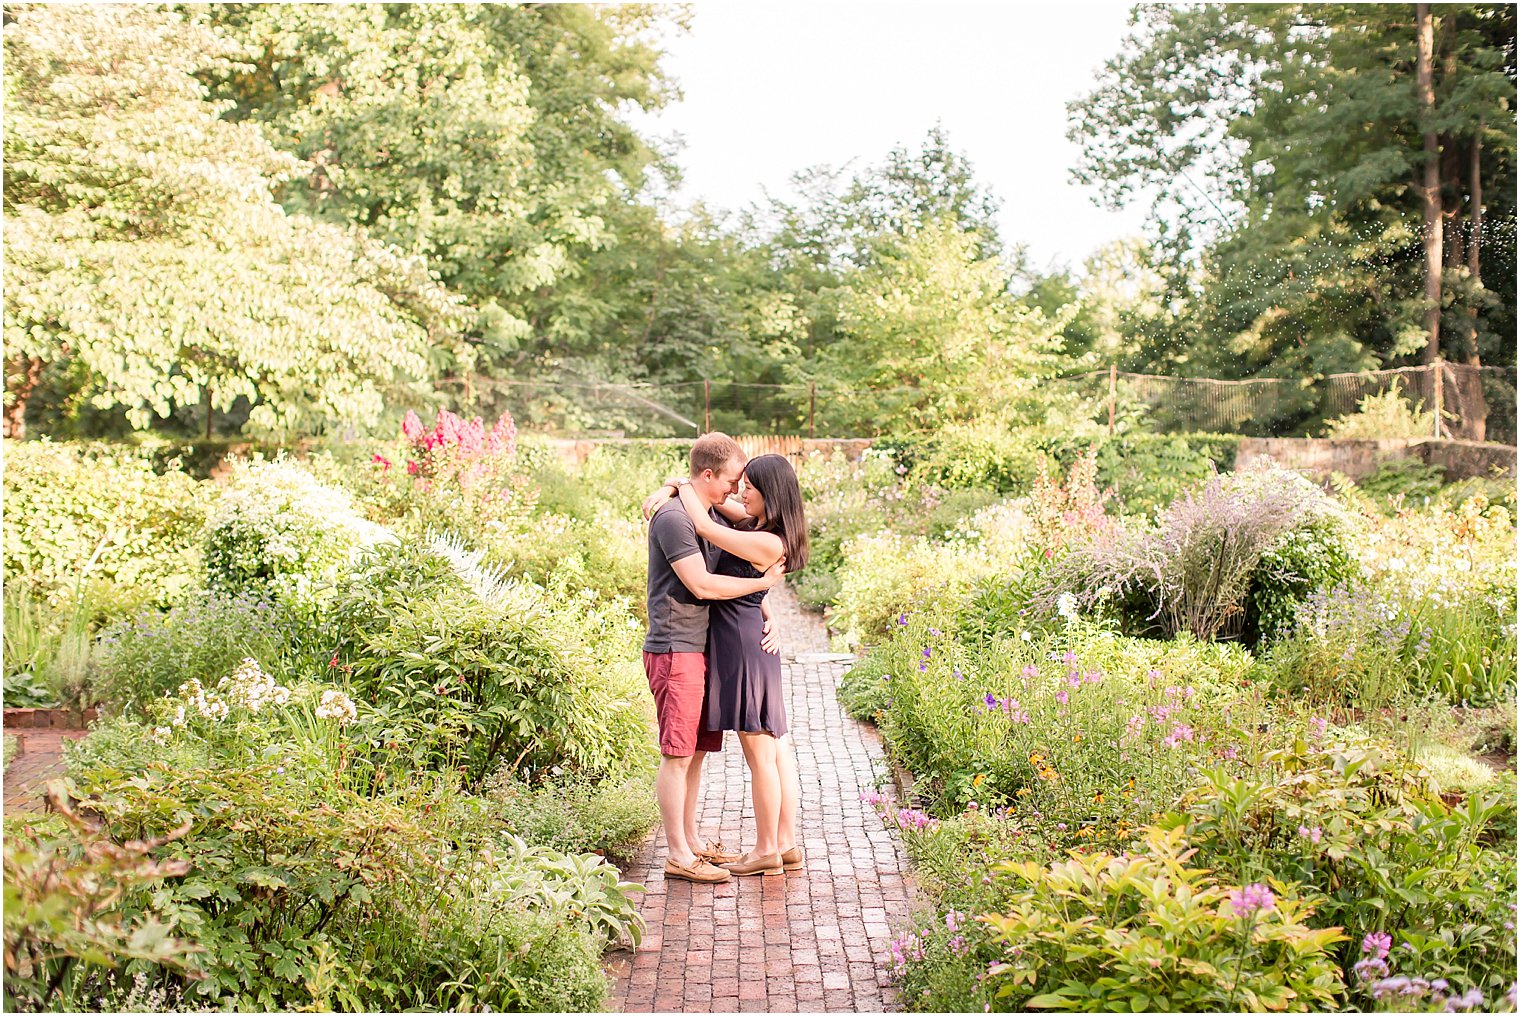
(977, 781)
(1098, 797)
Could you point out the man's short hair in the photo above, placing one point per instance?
(713, 451)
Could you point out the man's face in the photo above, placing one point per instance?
(714, 487)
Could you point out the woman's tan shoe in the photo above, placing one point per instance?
(770, 864)
(791, 859)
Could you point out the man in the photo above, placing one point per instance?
(680, 579)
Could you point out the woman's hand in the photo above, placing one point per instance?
(659, 497)
(769, 640)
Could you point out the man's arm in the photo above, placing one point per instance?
(693, 573)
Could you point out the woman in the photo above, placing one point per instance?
(744, 692)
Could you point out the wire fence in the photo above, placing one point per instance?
(1461, 401)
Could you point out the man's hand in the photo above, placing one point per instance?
(653, 502)
(769, 640)
(775, 573)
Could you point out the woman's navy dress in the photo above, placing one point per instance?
(743, 680)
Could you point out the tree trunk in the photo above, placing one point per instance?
(1476, 406)
(24, 372)
(1431, 191)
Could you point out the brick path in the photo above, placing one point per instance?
(809, 940)
(39, 758)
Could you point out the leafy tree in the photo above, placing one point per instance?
(144, 244)
(933, 331)
(1285, 144)
(489, 139)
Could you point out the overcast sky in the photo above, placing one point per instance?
(771, 88)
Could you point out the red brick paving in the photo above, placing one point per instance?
(39, 758)
(806, 941)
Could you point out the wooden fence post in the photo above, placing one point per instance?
(1440, 372)
(1113, 394)
(706, 406)
(812, 409)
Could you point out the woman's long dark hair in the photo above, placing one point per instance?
(776, 481)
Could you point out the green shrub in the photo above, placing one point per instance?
(473, 671)
(1148, 471)
(1385, 414)
(422, 910)
(1315, 555)
(61, 926)
(87, 516)
(1146, 932)
(275, 533)
(886, 574)
(607, 816)
(1403, 481)
(982, 454)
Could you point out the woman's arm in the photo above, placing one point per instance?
(759, 549)
(653, 501)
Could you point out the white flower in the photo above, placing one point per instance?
(1066, 606)
(337, 706)
(162, 734)
(1026, 636)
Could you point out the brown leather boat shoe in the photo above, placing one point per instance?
(699, 872)
(716, 853)
(791, 860)
(769, 864)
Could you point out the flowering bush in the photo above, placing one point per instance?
(1146, 932)
(1368, 836)
(457, 472)
(1087, 735)
(276, 533)
(1193, 571)
(201, 639)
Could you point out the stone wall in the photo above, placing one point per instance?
(1359, 459)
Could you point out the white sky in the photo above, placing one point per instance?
(772, 88)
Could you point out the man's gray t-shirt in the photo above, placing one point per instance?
(677, 618)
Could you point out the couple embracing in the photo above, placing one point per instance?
(719, 539)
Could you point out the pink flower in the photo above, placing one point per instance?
(411, 426)
(385, 463)
(1062, 697)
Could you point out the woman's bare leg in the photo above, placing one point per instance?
(765, 789)
(791, 792)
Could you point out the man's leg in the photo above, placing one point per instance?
(670, 787)
(693, 796)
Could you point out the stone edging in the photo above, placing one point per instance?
(49, 719)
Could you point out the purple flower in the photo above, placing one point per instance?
(1370, 968)
(1062, 697)
(922, 667)
(958, 675)
(1070, 658)
(928, 653)
(1247, 900)
(1472, 1001)
(935, 633)
(1317, 726)
(1074, 679)
(902, 620)
(991, 700)
(1378, 943)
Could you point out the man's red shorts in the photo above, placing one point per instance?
(679, 684)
